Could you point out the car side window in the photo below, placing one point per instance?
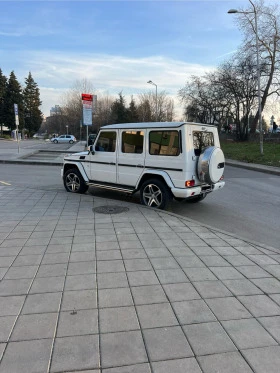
(62, 137)
(132, 142)
(68, 137)
(164, 143)
(106, 141)
(202, 140)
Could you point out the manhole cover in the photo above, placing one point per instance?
(110, 209)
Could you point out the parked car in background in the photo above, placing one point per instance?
(63, 139)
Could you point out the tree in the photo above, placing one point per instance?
(152, 107)
(119, 113)
(132, 114)
(3, 89)
(31, 100)
(13, 96)
(268, 21)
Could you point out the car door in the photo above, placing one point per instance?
(131, 156)
(61, 138)
(103, 162)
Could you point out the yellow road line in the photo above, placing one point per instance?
(3, 182)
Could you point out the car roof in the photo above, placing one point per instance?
(144, 125)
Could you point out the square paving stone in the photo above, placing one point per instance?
(118, 319)
(14, 287)
(134, 254)
(212, 289)
(191, 261)
(180, 292)
(52, 285)
(248, 333)
(55, 258)
(226, 273)
(139, 368)
(229, 362)
(228, 308)
(262, 260)
(79, 322)
(6, 261)
(78, 300)
(148, 294)
(80, 282)
(81, 268)
(122, 348)
(6, 326)
(193, 311)
(42, 303)
(200, 274)
(276, 298)
(253, 271)
(214, 261)
(140, 278)
(115, 297)
(109, 255)
(50, 270)
(35, 326)
(264, 360)
(112, 280)
(272, 324)
(171, 276)
(179, 366)
(11, 305)
(20, 272)
(242, 287)
(238, 260)
(79, 352)
(274, 270)
(268, 285)
(260, 305)
(164, 263)
(27, 356)
(208, 338)
(2, 348)
(104, 266)
(23, 260)
(167, 343)
(137, 265)
(156, 315)
(158, 253)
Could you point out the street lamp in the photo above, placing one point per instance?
(150, 82)
(66, 129)
(233, 11)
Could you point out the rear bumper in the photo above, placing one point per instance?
(195, 191)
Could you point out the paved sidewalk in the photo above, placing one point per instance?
(140, 291)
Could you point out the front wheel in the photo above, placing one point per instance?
(71, 142)
(155, 193)
(74, 182)
(55, 141)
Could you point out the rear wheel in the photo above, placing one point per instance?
(74, 182)
(155, 193)
(55, 141)
(71, 142)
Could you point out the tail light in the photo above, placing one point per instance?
(189, 183)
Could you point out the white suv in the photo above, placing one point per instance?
(162, 160)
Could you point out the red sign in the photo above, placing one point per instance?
(86, 97)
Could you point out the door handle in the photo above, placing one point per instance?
(140, 165)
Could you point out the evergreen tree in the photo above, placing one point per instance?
(119, 113)
(3, 89)
(31, 101)
(13, 96)
(132, 114)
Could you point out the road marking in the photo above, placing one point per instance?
(3, 182)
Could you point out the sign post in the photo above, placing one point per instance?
(87, 100)
(17, 123)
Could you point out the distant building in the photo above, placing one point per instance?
(55, 111)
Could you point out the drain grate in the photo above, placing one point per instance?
(110, 209)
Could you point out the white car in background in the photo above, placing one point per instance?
(63, 139)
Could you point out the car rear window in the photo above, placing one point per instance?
(202, 140)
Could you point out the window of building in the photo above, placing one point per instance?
(106, 141)
(132, 142)
(202, 140)
(164, 143)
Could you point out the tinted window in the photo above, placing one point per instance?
(68, 137)
(202, 140)
(62, 137)
(132, 142)
(164, 143)
(106, 142)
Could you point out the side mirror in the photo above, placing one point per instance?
(91, 149)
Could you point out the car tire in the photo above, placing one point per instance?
(71, 142)
(55, 141)
(74, 182)
(155, 193)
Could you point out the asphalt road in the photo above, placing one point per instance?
(248, 205)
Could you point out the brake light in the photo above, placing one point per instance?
(222, 178)
(189, 183)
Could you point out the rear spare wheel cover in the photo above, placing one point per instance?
(210, 166)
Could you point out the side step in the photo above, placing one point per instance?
(119, 188)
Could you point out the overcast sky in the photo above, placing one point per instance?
(116, 45)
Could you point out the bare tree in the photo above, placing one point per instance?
(152, 107)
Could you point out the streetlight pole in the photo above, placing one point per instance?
(232, 11)
(67, 129)
(150, 82)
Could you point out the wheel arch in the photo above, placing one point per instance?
(163, 176)
(78, 166)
